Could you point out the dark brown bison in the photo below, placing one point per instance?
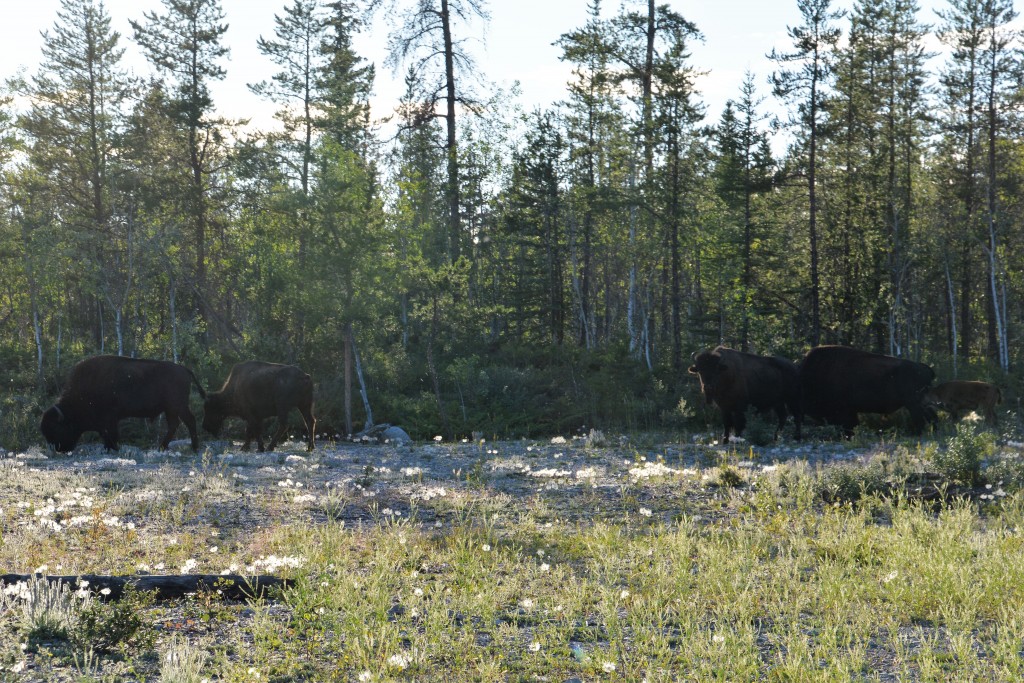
(960, 396)
(103, 390)
(256, 390)
(838, 382)
(734, 380)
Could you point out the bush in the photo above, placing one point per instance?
(960, 461)
(103, 627)
(760, 429)
(850, 483)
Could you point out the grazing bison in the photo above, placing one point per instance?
(103, 390)
(960, 396)
(256, 390)
(838, 382)
(734, 380)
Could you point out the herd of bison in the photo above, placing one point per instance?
(830, 385)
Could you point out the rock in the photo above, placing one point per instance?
(395, 435)
(383, 433)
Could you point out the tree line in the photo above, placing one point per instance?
(484, 268)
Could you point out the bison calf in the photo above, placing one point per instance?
(256, 390)
(961, 396)
(734, 380)
(103, 390)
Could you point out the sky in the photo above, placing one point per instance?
(516, 45)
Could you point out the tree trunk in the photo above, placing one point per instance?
(813, 207)
(451, 142)
(362, 382)
(167, 587)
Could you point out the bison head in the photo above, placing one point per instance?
(58, 430)
(708, 367)
(214, 414)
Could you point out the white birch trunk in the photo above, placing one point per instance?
(952, 316)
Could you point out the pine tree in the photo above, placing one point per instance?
(743, 170)
(184, 44)
(804, 85)
(442, 73)
(73, 126)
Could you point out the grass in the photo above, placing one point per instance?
(528, 561)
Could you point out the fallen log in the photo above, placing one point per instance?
(167, 586)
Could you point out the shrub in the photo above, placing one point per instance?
(960, 461)
(105, 626)
(182, 663)
(49, 610)
(729, 477)
(760, 429)
(849, 483)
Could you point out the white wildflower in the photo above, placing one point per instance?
(400, 660)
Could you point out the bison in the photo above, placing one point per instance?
(734, 380)
(256, 390)
(103, 390)
(959, 396)
(838, 382)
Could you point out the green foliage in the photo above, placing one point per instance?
(104, 627)
(760, 428)
(19, 420)
(960, 461)
(729, 477)
(844, 483)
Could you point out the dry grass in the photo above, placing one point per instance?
(524, 561)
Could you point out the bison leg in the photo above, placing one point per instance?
(735, 420)
(190, 423)
(780, 413)
(282, 425)
(918, 418)
(253, 430)
(109, 435)
(172, 426)
(307, 417)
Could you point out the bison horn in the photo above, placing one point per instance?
(60, 413)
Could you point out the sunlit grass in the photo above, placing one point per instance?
(641, 567)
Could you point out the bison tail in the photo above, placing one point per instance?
(999, 395)
(202, 392)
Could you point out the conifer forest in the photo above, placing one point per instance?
(474, 266)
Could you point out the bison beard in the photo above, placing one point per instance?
(103, 390)
(838, 382)
(256, 390)
(734, 380)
